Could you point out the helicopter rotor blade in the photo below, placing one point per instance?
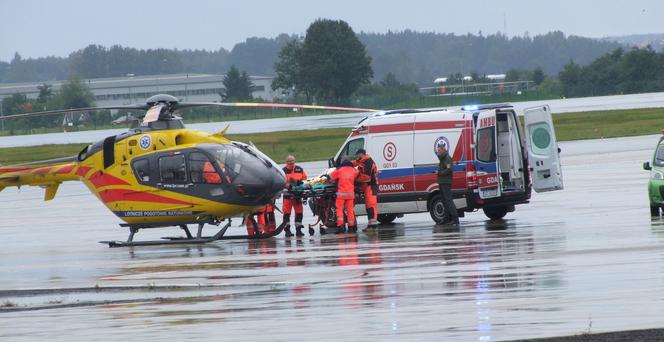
(182, 105)
(174, 105)
(60, 111)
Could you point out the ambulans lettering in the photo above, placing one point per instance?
(487, 180)
(488, 121)
(391, 187)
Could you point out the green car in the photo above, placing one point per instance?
(656, 183)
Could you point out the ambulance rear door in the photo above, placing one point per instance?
(488, 181)
(543, 156)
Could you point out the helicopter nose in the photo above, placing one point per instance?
(255, 177)
(278, 182)
(260, 184)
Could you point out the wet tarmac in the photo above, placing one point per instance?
(586, 259)
(648, 100)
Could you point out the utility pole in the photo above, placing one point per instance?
(186, 84)
(130, 78)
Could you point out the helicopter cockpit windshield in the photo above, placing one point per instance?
(250, 175)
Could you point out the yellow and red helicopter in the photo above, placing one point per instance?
(161, 174)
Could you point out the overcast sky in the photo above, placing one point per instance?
(40, 28)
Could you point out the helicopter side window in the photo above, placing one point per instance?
(142, 170)
(201, 169)
(173, 169)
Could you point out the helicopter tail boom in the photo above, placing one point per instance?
(48, 174)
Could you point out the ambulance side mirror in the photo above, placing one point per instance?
(646, 166)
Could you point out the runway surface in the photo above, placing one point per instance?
(586, 259)
(650, 100)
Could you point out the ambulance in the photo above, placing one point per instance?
(497, 160)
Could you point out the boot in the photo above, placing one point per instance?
(323, 231)
(288, 231)
(352, 229)
(370, 228)
(298, 230)
(312, 231)
(286, 221)
(341, 230)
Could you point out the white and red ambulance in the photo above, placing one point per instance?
(497, 159)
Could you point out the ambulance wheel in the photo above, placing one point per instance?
(495, 213)
(437, 210)
(386, 218)
(654, 211)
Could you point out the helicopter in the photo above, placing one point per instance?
(160, 174)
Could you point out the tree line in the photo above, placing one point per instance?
(413, 57)
(332, 64)
(617, 72)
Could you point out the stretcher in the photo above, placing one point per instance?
(321, 198)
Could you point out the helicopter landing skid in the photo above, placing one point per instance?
(256, 236)
(189, 238)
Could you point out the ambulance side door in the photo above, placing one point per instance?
(391, 147)
(426, 160)
(488, 181)
(543, 157)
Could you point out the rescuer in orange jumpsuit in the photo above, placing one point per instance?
(295, 175)
(265, 219)
(345, 176)
(368, 180)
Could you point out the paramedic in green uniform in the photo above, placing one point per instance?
(445, 184)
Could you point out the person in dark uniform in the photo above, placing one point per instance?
(445, 184)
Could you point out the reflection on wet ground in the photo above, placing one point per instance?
(585, 259)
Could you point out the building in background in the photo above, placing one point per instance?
(486, 85)
(136, 89)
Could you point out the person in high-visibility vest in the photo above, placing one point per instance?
(368, 182)
(295, 175)
(262, 221)
(345, 176)
(265, 219)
